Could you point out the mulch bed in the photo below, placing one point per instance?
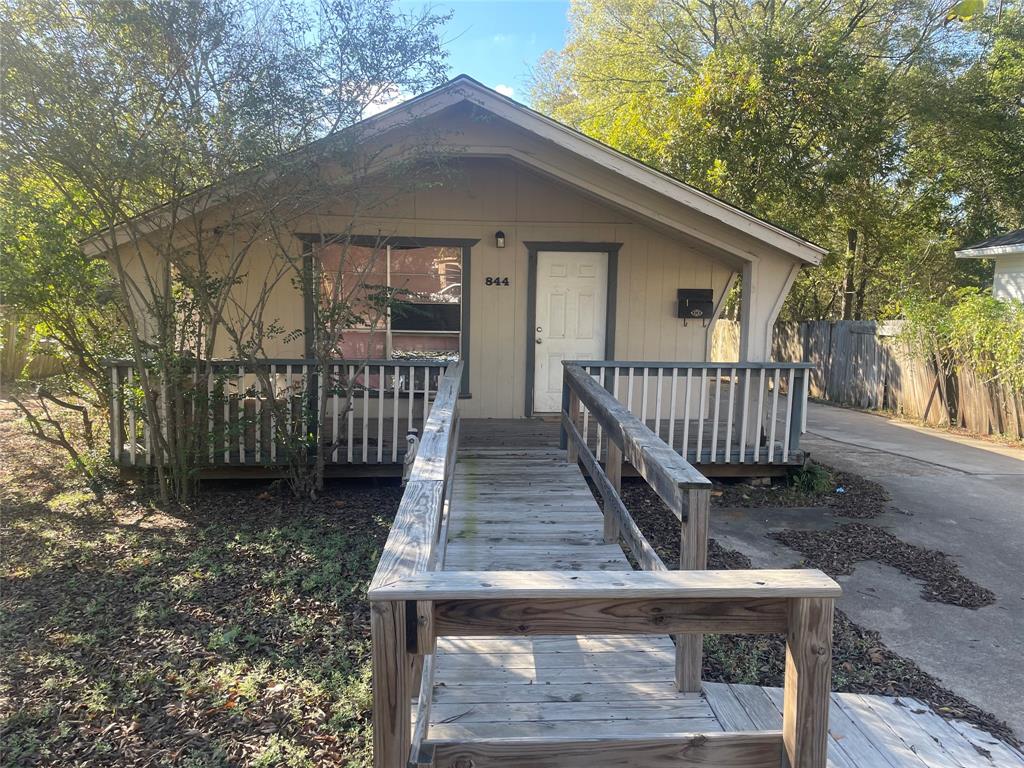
(860, 661)
(838, 550)
(848, 495)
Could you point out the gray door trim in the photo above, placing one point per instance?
(534, 247)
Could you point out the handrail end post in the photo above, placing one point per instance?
(808, 682)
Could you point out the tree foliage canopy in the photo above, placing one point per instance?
(880, 122)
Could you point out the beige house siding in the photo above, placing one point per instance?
(493, 194)
(1008, 279)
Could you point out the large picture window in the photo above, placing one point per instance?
(423, 316)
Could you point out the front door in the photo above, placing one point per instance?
(572, 290)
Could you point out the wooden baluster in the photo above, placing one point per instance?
(808, 682)
(290, 402)
(586, 419)
(745, 406)
(412, 398)
(714, 421)
(672, 410)
(273, 414)
(599, 378)
(700, 413)
(116, 425)
(760, 415)
(335, 409)
(629, 390)
(693, 556)
(165, 430)
(789, 415)
(733, 382)
(806, 393)
(350, 426)
(615, 383)
(133, 423)
(643, 399)
(380, 415)
(241, 414)
(775, 416)
(226, 431)
(394, 416)
(657, 405)
(258, 418)
(366, 410)
(304, 402)
(685, 452)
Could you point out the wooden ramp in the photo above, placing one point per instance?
(527, 509)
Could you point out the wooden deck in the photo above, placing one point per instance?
(525, 508)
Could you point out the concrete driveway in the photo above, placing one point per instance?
(961, 496)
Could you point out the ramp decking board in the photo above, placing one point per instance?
(525, 509)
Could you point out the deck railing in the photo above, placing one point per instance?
(684, 490)
(414, 601)
(249, 413)
(711, 413)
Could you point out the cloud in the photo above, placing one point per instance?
(505, 90)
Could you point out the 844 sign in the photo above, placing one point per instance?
(500, 281)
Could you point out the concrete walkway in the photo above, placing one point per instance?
(961, 496)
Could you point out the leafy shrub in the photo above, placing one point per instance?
(812, 479)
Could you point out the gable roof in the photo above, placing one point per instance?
(465, 89)
(1007, 243)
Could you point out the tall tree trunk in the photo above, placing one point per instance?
(851, 265)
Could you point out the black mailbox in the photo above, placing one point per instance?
(695, 303)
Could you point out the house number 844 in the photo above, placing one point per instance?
(496, 281)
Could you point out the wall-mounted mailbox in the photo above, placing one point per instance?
(695, 304)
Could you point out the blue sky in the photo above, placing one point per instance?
(499, 41)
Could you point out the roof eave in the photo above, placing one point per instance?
(1014, 249)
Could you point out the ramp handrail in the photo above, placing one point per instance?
(684, 490)
(413, 602)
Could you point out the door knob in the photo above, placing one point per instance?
(539, 341)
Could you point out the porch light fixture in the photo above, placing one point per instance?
(499, 239)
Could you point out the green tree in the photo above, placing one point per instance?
(812, 115)
(133, 108)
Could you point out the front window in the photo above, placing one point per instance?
(396, 301)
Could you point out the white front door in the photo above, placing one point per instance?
(572, 290)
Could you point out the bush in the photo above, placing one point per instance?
(969, 328)
(812, 479)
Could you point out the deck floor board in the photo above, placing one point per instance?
(516, 508)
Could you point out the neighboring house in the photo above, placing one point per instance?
(546, 245)
(1007, 251)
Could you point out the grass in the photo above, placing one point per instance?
(233, 633)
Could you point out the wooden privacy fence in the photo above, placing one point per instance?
(414, 601)
(709, 413)
(251, 413)
(865, 364)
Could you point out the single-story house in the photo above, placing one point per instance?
(1007, 250)
(538, 244)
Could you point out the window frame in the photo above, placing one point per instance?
(311, 240)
